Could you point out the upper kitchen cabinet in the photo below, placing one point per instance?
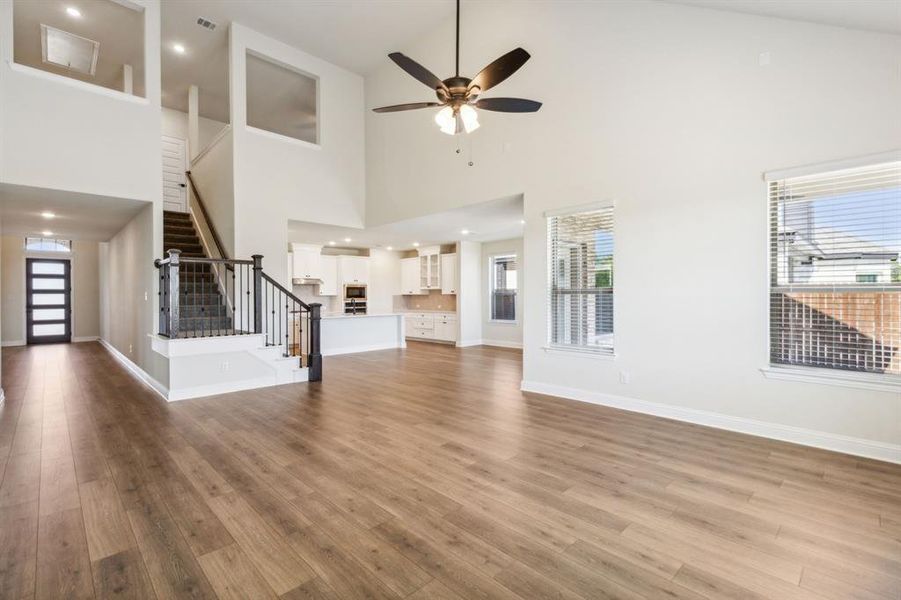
(409, 276)
(430, 268)
(307, 262)
(448, 273)
(353, 269)
(329, 285)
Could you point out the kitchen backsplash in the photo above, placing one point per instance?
(434, 300)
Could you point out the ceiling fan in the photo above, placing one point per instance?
(460, 96)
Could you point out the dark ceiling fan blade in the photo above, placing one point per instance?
(500, 69)
(417, 71)
(400, 107)
(512, 105)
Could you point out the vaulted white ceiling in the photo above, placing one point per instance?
(870, 15)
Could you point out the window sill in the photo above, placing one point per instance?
(502, 322)
(77, 83)
(864, 381)
(607, 355)
(283, 138)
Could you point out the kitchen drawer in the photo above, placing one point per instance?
(445, 316)
(417, 332)
(423, 324)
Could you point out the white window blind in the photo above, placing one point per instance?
(580, 280)
(835, 274)
(503, 288)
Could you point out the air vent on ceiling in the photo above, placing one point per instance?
(68, 50)
(206, 23)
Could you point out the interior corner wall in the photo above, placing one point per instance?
(278, 179)
(175, 124)
(128, 292)
(494, 332)
(469, 293)
(214, 175)
(59, 133)
(12, 290)
(85, 290)
(687, 108)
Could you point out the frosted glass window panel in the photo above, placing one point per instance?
(54, 268)
(53, 329)
(49, 314)
(48, 299)
(48, 284)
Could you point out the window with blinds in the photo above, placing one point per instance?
(580, 280)
(503, 288)
(835, 274)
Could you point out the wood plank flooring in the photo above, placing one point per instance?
(421, 474)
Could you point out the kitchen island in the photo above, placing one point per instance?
(346, 334)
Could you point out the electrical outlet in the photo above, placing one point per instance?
(625, 377)
(224, 365)
(130, 349)
(763, 59)
(145, 296)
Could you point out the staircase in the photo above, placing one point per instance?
(203, 310)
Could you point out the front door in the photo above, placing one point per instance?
(48, 300)
(174, 189)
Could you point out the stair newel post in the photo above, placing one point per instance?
(257, 293)
(173, 292)
(315, 357)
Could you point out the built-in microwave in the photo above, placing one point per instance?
(355, 291)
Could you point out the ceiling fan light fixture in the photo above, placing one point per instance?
(470, 118)
(446, 120)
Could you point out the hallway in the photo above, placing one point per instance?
(444, 481)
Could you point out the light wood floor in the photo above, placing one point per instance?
(421, 474)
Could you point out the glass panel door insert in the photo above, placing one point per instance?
(48, 301)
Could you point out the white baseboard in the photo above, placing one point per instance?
(2, 396)
(786, 433)
(85, 338)
(214, 389)
(13, 343)
(502, 344)
(137, 371)
(468, 343)
(369, 348)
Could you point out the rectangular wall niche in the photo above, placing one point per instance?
(281, 99)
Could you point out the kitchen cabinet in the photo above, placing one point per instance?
(353, 269)
(448, 273)
(430, 271)
(307, 261)
(440, 327)
(329, 268)
(409, 277)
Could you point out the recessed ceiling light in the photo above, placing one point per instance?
(389, 248)
(346, 239)
(45, 232)
(178, 48)
(416, 244)
(47, 214)
(522, 221)
(73, 12)
(464, 232)
(331, 243)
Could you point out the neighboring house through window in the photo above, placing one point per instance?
(580, 279)
(503, 288)
(835, 286)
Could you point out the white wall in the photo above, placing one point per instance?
(85, 289)
(666, 109)
(279, 178)
(59, 133)
(494, 332)
(175, 124)
(214, 174)
(128, 288)
(469, 293)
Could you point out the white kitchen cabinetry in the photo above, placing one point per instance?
(409, 277)
(448, 273)
(307, 261)
(440, 327)
(353, 269)
(329, 285)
